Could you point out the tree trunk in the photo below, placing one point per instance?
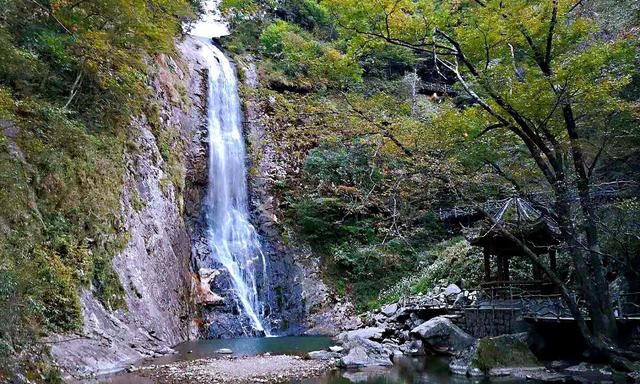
(601, 310)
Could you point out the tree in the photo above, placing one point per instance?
(537, 71)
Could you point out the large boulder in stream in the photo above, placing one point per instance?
(362, 348)
(498, 356)
(441, 335)
(366, 353)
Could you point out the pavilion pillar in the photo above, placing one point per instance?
(537, 272)
(500, 261)
(506, 268)
(487, 264)
(552, 259)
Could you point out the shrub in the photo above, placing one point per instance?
(303, 59)
(451, 261)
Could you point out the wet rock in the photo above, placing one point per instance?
(443, 336)
(463, 363)
(224, 351)
(413, 348)
(204, 295)
(497, 356)
(521, 372)
(589, 371)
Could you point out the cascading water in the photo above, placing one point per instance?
(234, 241)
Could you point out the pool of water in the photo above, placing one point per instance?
(288, 345)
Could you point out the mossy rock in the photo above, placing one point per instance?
(505, 351)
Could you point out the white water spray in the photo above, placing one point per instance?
(234, 241)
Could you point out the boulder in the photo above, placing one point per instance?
(451, 290)
(413, 348)
(401, 315)
(224, 351)
(166, 351)
(461, 300)
(389, 310)
(463, 363)
(336, 348)
(379, 318)
(369, 333)
(506, 355)
(323, 355)
(443, 336)
(365, 353)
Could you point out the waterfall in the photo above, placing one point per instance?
(234, 241)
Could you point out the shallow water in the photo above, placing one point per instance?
(288, 345)
(426, 370)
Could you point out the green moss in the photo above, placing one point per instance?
(503, 352)
(136, 202)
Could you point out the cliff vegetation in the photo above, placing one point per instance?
(72, 76)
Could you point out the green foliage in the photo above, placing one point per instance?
(361, 271)
(310, 14)
(503, 351)
(337, 214)
(623, 241)
(305, 60)
(321, 220)
(272, 38)
(342, 166)
(450, 261)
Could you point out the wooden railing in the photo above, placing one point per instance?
(533, 304)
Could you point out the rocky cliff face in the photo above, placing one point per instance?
(170, 297)
(162, 184)
(306, 304)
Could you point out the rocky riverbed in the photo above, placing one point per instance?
(237, 370)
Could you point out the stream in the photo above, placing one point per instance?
(432, 369)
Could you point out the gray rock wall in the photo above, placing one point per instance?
(301, 302)
(491, 322)
(154, 266)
